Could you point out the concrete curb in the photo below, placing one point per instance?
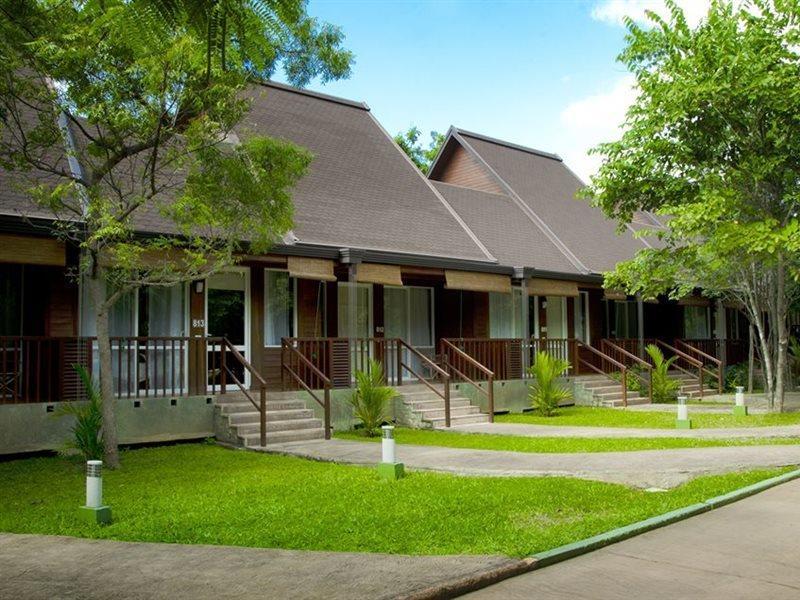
(458, 587)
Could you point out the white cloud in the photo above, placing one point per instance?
(592, 120)
(614, 11)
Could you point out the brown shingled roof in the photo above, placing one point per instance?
(546, 188)
(505, 230)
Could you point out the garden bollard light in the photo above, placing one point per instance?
(739, 409)
(683, 421)
(389, 468)
(94, 511)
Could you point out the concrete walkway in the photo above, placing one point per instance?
(526, 430)
(45, 567)
(749, 549)
(645, 469)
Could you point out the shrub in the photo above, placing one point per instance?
(546, 392)
(371, 397)
(665, 388)
(87, 431)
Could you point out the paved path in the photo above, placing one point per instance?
(526, 430)
(750, 549)
(45, 567)
(649, 468)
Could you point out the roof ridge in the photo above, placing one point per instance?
(511, 145)
(318, 95)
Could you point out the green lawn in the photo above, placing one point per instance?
(611, 417)
(207, 494)
(515, 443)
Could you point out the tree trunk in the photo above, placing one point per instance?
(98, 292)
(782, 331)
(751, 348)
(765, 353)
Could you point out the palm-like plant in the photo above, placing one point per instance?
(665, 388)
(546, 391)
(87, 436)
(370, 399)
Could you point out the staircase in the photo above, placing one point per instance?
(288, 420)
(425, 408)
(608, 393)
(689, 386)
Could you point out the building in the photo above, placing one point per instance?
(465, 272)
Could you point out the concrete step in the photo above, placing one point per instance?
(428, 404)
(276, 415)
(600, 389)
(291, 425)
(247, 406)
(439, 422)
(619, 404)
(252, 440)
(429, 414)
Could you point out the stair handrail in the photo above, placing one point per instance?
(698, 364)
(444, 394)
(604, 357)
(225, 372)
(712, 359)
(325, 403)
(605, 342)
(489, 391)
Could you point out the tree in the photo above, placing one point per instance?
(145, 100)
(410, 143)
(712, 143)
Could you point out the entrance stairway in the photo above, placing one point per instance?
(288, 420)
(689, 385)
(427, 408)
(608, 393)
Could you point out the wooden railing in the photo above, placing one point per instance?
(683, 362)
(301, 370)
(442, 373)
(470, 370)
(41, 369)
(608, 367)
(711, 365)
(232, 367)
(636, 367)
(730, 352)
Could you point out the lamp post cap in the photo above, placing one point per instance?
(94, 463)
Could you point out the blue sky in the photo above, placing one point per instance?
(540, 73)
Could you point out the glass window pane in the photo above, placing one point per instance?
(501, 324)
(359, 295)
(226, 314)
(162, 311)
(421, 327)
(556, 318)
(279, 313)
(10, 300)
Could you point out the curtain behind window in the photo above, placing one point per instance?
(279, 297)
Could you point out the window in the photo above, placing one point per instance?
(505, 314)
(696, 322)
(10, 299)
(359, 297)
(626, 320)
(582, 317)
(733, 331)
(556, 317)
(162, 311)
(279, 296)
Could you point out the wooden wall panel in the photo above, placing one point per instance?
(597, 316)
(271, 367)
(462, 169)
(480, 314)
(62, 309)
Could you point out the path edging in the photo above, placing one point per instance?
(452, 589)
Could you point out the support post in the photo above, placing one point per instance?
(327, 412)
(640, 323)
(490, 383)
(263, 415)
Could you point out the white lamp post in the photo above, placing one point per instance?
(683, 421)
(389, 467)
(95, 511)
(739, 408)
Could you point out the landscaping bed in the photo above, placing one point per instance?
(205, 494)
(516, 443)
(614, 417)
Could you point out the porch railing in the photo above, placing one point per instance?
(41, 369)
(729, 351)
(711, 365)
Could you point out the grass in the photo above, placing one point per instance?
(204, 494)
(611, 417)
(515, 443)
